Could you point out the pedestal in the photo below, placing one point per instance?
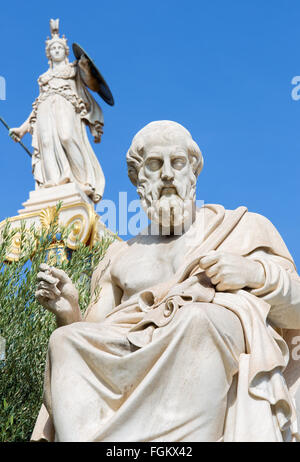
(77, 210)
(69, 194)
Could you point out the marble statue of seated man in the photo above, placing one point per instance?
(189, 339)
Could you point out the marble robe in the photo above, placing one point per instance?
(62, 151)
(179, 361)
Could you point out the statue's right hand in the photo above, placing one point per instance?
(56, 292)
(16, 134)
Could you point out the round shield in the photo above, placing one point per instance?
(103, 89)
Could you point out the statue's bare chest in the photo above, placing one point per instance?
(147, 263)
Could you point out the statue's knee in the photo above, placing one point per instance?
(66, 139)
(196, 313)
(223, 321)
(59, 338)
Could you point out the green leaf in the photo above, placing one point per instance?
(27, 326)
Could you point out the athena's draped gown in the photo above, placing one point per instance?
(62, 151)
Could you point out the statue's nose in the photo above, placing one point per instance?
(167, 172)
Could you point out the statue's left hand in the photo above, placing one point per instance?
(229, 271)
(84, 63)
(88, 76)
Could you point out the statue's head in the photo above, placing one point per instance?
(57, 49)
(164, 163)
(57, 52)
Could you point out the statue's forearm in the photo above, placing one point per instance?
(282, 291)
(66, 318)
(257, 277)
(25, 127)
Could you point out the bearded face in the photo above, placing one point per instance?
(166, 185)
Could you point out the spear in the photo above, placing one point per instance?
(20, 142)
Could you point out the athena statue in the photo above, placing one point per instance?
(61, 149)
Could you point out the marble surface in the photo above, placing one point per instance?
(62, 152)
(188, 340)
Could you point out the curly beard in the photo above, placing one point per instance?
(168, 204)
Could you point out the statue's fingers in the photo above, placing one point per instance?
(216, 279)
(83, 59)
(43, 296)
(44, 267)
(15, 138)
(212, 271)
(50, 288)
(227, 283)
(209, 259)
(42, 293)
(38, 295)
(43, 285)
(60, 274)
(221, 287)
(42, 276)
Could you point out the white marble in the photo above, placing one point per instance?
(186, 341)
(69, 194)
(61, 149)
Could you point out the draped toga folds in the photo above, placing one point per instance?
(62, 151)
(180, 361)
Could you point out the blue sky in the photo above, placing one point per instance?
(221, 68)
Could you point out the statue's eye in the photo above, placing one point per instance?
(178, 163)
(154, 164)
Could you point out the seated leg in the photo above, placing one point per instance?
(174, 389)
